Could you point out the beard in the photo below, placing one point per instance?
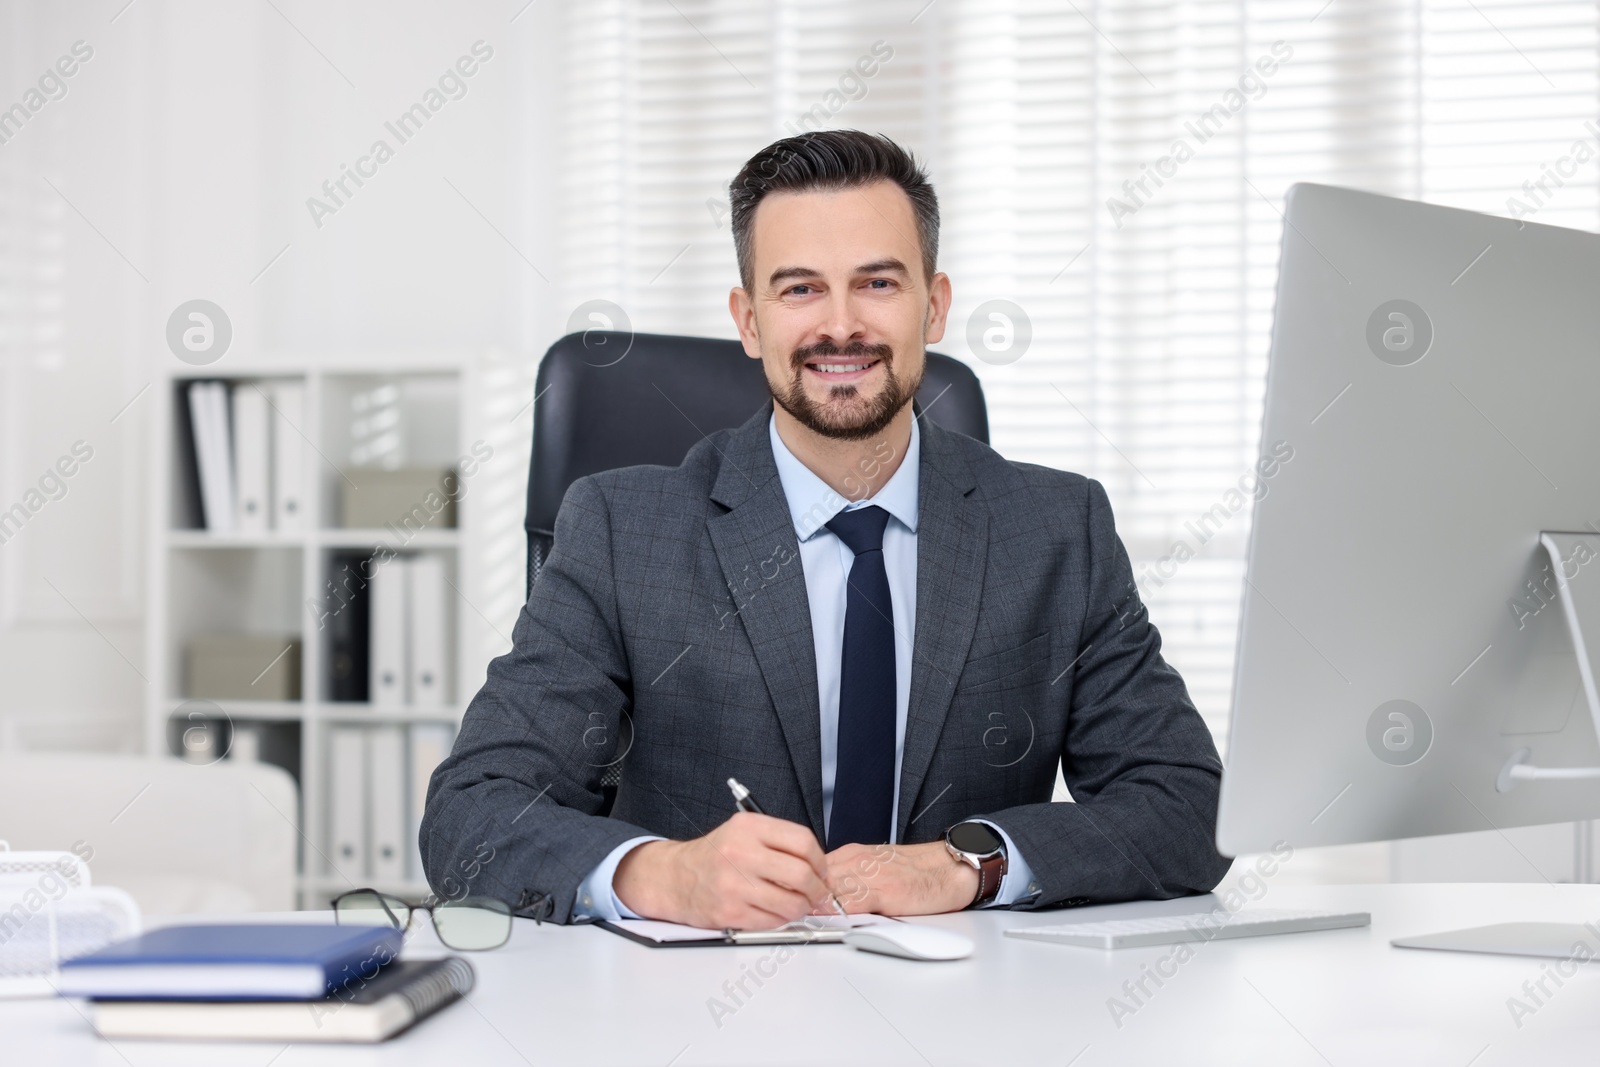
(846, 415)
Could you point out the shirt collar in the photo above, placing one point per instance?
(812, 503)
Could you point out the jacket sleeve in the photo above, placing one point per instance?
(513, 810)
(1136, 756)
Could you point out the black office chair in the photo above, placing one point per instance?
(608, 400)
(605, 400)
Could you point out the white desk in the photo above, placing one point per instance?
(575, 995)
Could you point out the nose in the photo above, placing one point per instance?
(842, 322)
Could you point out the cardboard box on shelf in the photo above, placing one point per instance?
(243, 667)
(409, 498)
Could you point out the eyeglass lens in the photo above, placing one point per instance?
(372, 909)
(473, 923)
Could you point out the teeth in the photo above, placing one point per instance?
(840, 368)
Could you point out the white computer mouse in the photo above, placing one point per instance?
(910, 941)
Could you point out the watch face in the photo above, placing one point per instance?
(973, 838)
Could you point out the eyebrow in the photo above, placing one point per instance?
(889, 265)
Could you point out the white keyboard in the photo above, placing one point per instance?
(1201, 926)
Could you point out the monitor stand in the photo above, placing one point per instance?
(1580, 604)
(1560, 941)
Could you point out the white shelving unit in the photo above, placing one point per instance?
(266, 584)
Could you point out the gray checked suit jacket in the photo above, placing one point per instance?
(674, 599)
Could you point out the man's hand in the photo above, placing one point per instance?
(754, 872)
(901, 879)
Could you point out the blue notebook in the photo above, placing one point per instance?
(277, 961)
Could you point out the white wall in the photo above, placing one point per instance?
(1549, 854)
(184, 152)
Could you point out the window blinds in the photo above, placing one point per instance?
(1115, 168)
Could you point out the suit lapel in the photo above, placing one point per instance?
(759, 554)
(952, 547)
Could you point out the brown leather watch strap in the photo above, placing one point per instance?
(991, 872)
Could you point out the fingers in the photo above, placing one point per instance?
(795, 874)
(751, 903)
(750, 833)
(847, 884)
(757, 872)
(777, 882)
(751, 877)
(855, 871)
(785, 836)
(776, 900)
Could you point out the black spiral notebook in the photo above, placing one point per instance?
(398, 996)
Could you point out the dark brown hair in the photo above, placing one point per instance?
(830, 160)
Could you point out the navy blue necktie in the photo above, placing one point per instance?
(863, 781)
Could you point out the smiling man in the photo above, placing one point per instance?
(935, 631)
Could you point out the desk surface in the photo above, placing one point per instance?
(577, 995)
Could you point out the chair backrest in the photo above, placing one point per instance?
(608, 400)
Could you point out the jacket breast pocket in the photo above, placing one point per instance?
(1020, 665)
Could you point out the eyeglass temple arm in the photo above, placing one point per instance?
(388, 911)
(532, 904)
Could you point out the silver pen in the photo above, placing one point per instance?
(746, 802)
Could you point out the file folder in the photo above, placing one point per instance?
(290, 503)
(425, 611)
(387, 621)
(386, 804)
(208, 411)
(347, 802)
(252, 459)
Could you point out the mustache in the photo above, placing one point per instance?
(828, 348)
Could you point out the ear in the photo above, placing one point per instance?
(744, 319)
(939, 297)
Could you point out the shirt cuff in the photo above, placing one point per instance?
(596, 897)
(1018, 884)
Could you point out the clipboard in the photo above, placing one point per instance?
(818, 931)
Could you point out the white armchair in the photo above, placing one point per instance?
(179, 838)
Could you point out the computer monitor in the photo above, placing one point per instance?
(1424, 566)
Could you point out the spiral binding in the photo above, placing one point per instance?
(455, 979)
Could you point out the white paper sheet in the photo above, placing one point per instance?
(664, 932)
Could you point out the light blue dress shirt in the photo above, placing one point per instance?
(827, 560)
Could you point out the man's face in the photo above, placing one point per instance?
(839, 311)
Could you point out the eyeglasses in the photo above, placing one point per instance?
(470, 924)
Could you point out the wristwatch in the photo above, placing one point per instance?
(979, 847)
